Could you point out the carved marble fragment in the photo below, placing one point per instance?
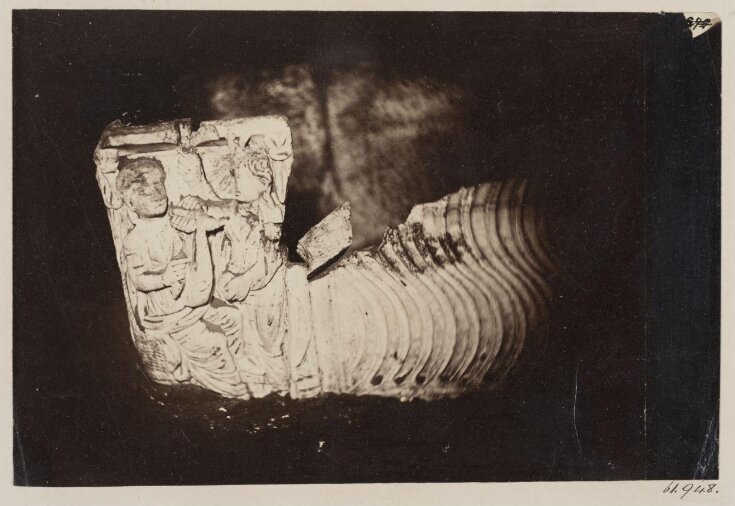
(446, 303)
(327, 239)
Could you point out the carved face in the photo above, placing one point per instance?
(147, 193)
(253, 178)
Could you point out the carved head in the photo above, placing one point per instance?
(253, 176)
(245, 175)
(140, 183)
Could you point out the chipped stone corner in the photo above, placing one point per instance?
(327, 239)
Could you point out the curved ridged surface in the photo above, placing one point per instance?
(448, 301)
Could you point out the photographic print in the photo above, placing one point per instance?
(311, 247)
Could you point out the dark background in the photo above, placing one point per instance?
(613, 118)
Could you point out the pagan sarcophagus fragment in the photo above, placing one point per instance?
(446, 303)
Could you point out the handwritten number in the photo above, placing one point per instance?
(686, 488)
(699, 488)
(698, 23)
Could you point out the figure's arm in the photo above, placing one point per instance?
(241, 276)
(220, 209)
(236, 287)
(146, 280)
(199, 279)
(272, 261)
(192, 210)
(246, 263)
(238, 283)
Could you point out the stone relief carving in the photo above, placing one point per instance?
(446, 303)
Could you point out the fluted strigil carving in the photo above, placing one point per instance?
(447, 302)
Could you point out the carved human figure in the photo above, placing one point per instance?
(249, 260)
(171, 276)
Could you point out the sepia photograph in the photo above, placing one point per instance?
(361, 247)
